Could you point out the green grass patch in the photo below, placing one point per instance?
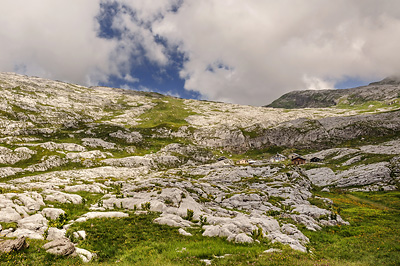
(170, 112)
(136, 240)
(73, 211)
(373, 237)
(368, 106)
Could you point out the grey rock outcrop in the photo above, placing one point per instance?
(52, 213)
(61, 247)
(7, 246)
(55, 233)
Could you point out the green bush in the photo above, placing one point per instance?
(189, 214)
(146, 206)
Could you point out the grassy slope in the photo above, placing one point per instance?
(374, 235)
(372, 239)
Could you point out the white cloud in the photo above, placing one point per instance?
(54, 39)
(313, 83)
(272, 47)
(59, 40)
(131, 79)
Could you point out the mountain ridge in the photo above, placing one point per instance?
(385, 90)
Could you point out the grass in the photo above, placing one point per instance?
(374, 235)
(138, 241)
(337, 164)
(75, 210)
(35, 255)
(369, 106)
(169, 112)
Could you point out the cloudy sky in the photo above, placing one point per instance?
(239, 51)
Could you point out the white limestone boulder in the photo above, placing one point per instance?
(54, 233)
(52, 213)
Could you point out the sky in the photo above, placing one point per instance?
(238, 51)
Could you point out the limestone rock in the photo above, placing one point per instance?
(53, 195)
(78, 156)
(93, 188)
(61, 247)
(9, 215)
(95, 142)
(54, 233)
(36, 223)
(80, 234)
(129, 137)
(84, 254)
(8, 156)
(365, 175)
(172, 220)
(183, 232)
(93, 215)
(311, 210)
(243, 238)
(28, 233)
(321, 176)
(9, 171)
(52, 213)
(13, 245)
(52, 146)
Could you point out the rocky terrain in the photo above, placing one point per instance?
(110, 153)
(387, 91)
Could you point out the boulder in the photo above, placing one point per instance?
(310, 210)
(84, 254)
(52, 213)
(321, 176)
(55, 233)
(9, 215)
(22, 232)
(13, 245)
(172, 220)
(61, 197)
(80, 234)
(183, 232)
(243, 238)
(93, 215)
(35, 222)
(61, 247)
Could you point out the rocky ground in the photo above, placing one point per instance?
(109, 152)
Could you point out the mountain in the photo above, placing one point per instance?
(387, 90)
(118, 172)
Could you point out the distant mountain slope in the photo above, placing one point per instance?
(385, 90)
(137, 123)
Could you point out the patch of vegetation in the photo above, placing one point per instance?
(251, 134)
(170, 112)
(372, 238)
(362, 106)
(135, 240)
(275, 200)
(8, 225)
(73, 211)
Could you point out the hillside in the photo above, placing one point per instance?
(386, 91)
(146, 179)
